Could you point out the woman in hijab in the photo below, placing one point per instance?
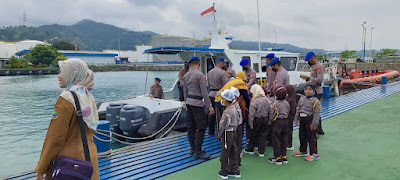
(292, 100)
(63, 135)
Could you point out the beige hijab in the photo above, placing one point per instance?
(257, 91)
(80, 79)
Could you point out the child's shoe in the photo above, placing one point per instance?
(298, 154)
(284, 160)
(260, 155)
(234, 174)
(314, 157)
(275, 161)
(248, 151)
(223, 175)
(290, 148)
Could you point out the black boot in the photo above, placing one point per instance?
(192, 151)
(201, 156)
(320, 130)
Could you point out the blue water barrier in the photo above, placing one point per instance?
(327, 92)
(384, 80)
(102, 146)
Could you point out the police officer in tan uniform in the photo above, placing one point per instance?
(282, 76)
(270, 72)
(182, 73)
(317, 77)
(216, 78)
(195, 92)
(250, 73)
(156, 90)
(231, 72)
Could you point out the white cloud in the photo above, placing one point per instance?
(328, 24)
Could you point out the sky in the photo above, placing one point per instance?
(325, 24)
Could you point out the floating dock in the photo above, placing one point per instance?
(349, 138)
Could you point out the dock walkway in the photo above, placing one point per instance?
(359, 137)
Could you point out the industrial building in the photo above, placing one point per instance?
(92, 57)
(9, 49)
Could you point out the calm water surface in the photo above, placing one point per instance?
(27, 102)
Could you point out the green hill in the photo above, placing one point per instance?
(91, 35)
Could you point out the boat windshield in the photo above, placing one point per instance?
(289, 63)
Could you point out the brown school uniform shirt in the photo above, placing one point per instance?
(306, 105)
(259, 108)
(157, 92)
(64, 139)
(280, 108)
(230, 119)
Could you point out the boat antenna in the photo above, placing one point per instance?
(258, 16)
(147, 74)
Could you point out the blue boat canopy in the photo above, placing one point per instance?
(176, 50)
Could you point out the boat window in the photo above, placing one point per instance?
(247, 57)
(256, 68)
(210, 63)
(289, 63)
(263, 65)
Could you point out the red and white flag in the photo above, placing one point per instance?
(211, 9)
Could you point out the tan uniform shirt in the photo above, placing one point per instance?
(216, 78)
(231, 73)
(156, 92)
(251, 77)
(180, 76)
(195, 90)
(282, 77)
(64, 139)
(270, 78)
(317, 76)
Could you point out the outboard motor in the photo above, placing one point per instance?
(112, 115)
(132, 118)
(160, 118)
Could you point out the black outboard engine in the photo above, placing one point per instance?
(132, 118)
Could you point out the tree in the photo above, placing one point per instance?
(321, 57)
(16, 63)
(43, 54)
(347, 54)
(59, 58)
(386, 53)
(64, 45)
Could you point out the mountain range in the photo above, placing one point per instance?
(98, 36)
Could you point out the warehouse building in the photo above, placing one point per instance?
(92, 57)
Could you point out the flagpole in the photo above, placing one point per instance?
(259, 40)
(214, 10)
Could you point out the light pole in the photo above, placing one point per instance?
(364, 38)
(370, 44)
(259, 31)
(276, 37)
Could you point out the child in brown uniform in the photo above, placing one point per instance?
(278, 115)
(308, 112)
(227, 132)
(258, 120)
